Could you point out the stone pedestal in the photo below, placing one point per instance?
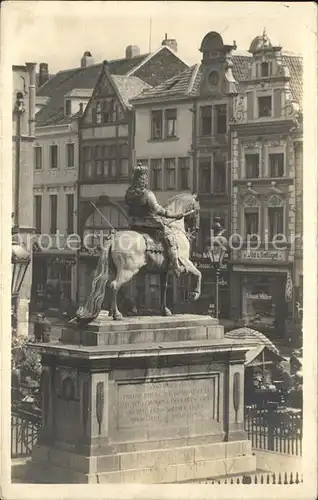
(148, 400)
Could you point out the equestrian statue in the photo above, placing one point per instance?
(158, 239)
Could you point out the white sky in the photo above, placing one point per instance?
(59, 32)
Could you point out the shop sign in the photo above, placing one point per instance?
(261, 255)
(258, 296)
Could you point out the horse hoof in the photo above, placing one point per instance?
(166, 312)
(118, 316)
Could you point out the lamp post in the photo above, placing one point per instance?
(20, 260)
(216, 252)
(20, 257)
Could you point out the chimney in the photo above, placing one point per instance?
(132, 51)
(170, 42)
(43, 73)
(87, 59)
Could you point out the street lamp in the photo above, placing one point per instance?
(20, 260)
(216, 253)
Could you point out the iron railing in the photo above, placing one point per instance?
(274, 430)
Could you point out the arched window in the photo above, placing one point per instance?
(100, 223)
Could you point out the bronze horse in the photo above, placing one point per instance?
(125, 253)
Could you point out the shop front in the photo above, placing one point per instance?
(261, 301)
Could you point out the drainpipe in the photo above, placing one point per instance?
(32, 91)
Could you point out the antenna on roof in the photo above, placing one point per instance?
(150, 26)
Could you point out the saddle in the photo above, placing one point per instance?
(152, 239)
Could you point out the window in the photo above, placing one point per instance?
(265, 107)
(205, 176)
(171, 123)
(53, 156)
(221, 119)
(275, 221)
(264, 69)
(70, 155)
(38, 213)
(53, 213)
(156, 125)
(98, 112)
(38, 158)
(219, 177)
(98, 161)
(156, 173)
(170, 173)
(184, 173)
(252, 165)
(68, 107)
(70, 213)
(87, 161)
(276, 165)
(204, 236)
(206, 120)
(251, 222)
(184, 288)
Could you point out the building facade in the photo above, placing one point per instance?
(59, 185)
(266, 155)
(23, 135)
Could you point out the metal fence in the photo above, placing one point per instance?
(274, 431)
(261, 478)
(24, 432)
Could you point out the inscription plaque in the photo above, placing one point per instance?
(168, 402)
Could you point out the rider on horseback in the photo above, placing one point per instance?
(145, 213)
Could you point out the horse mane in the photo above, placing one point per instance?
(178, 197)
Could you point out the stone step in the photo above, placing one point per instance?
(73, 336)
(106, 324)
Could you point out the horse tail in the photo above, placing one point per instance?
(91, 309)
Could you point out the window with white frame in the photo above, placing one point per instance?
(171, 123)
(264, 106)
(170, 173)
(276, 164)
(252, 165)
(156, 124)
(156, 173)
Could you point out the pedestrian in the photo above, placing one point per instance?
(46, 329)
(37, 329)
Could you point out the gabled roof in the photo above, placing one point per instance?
(129, 87)
(66, 81)
(188, 82)
(78, 78)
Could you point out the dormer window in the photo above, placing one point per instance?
(68, 107)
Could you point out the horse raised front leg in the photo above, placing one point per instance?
(165, 311)
(123, 276)
(195, 294)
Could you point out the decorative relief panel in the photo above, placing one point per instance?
(250, 201)
(275, 201)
